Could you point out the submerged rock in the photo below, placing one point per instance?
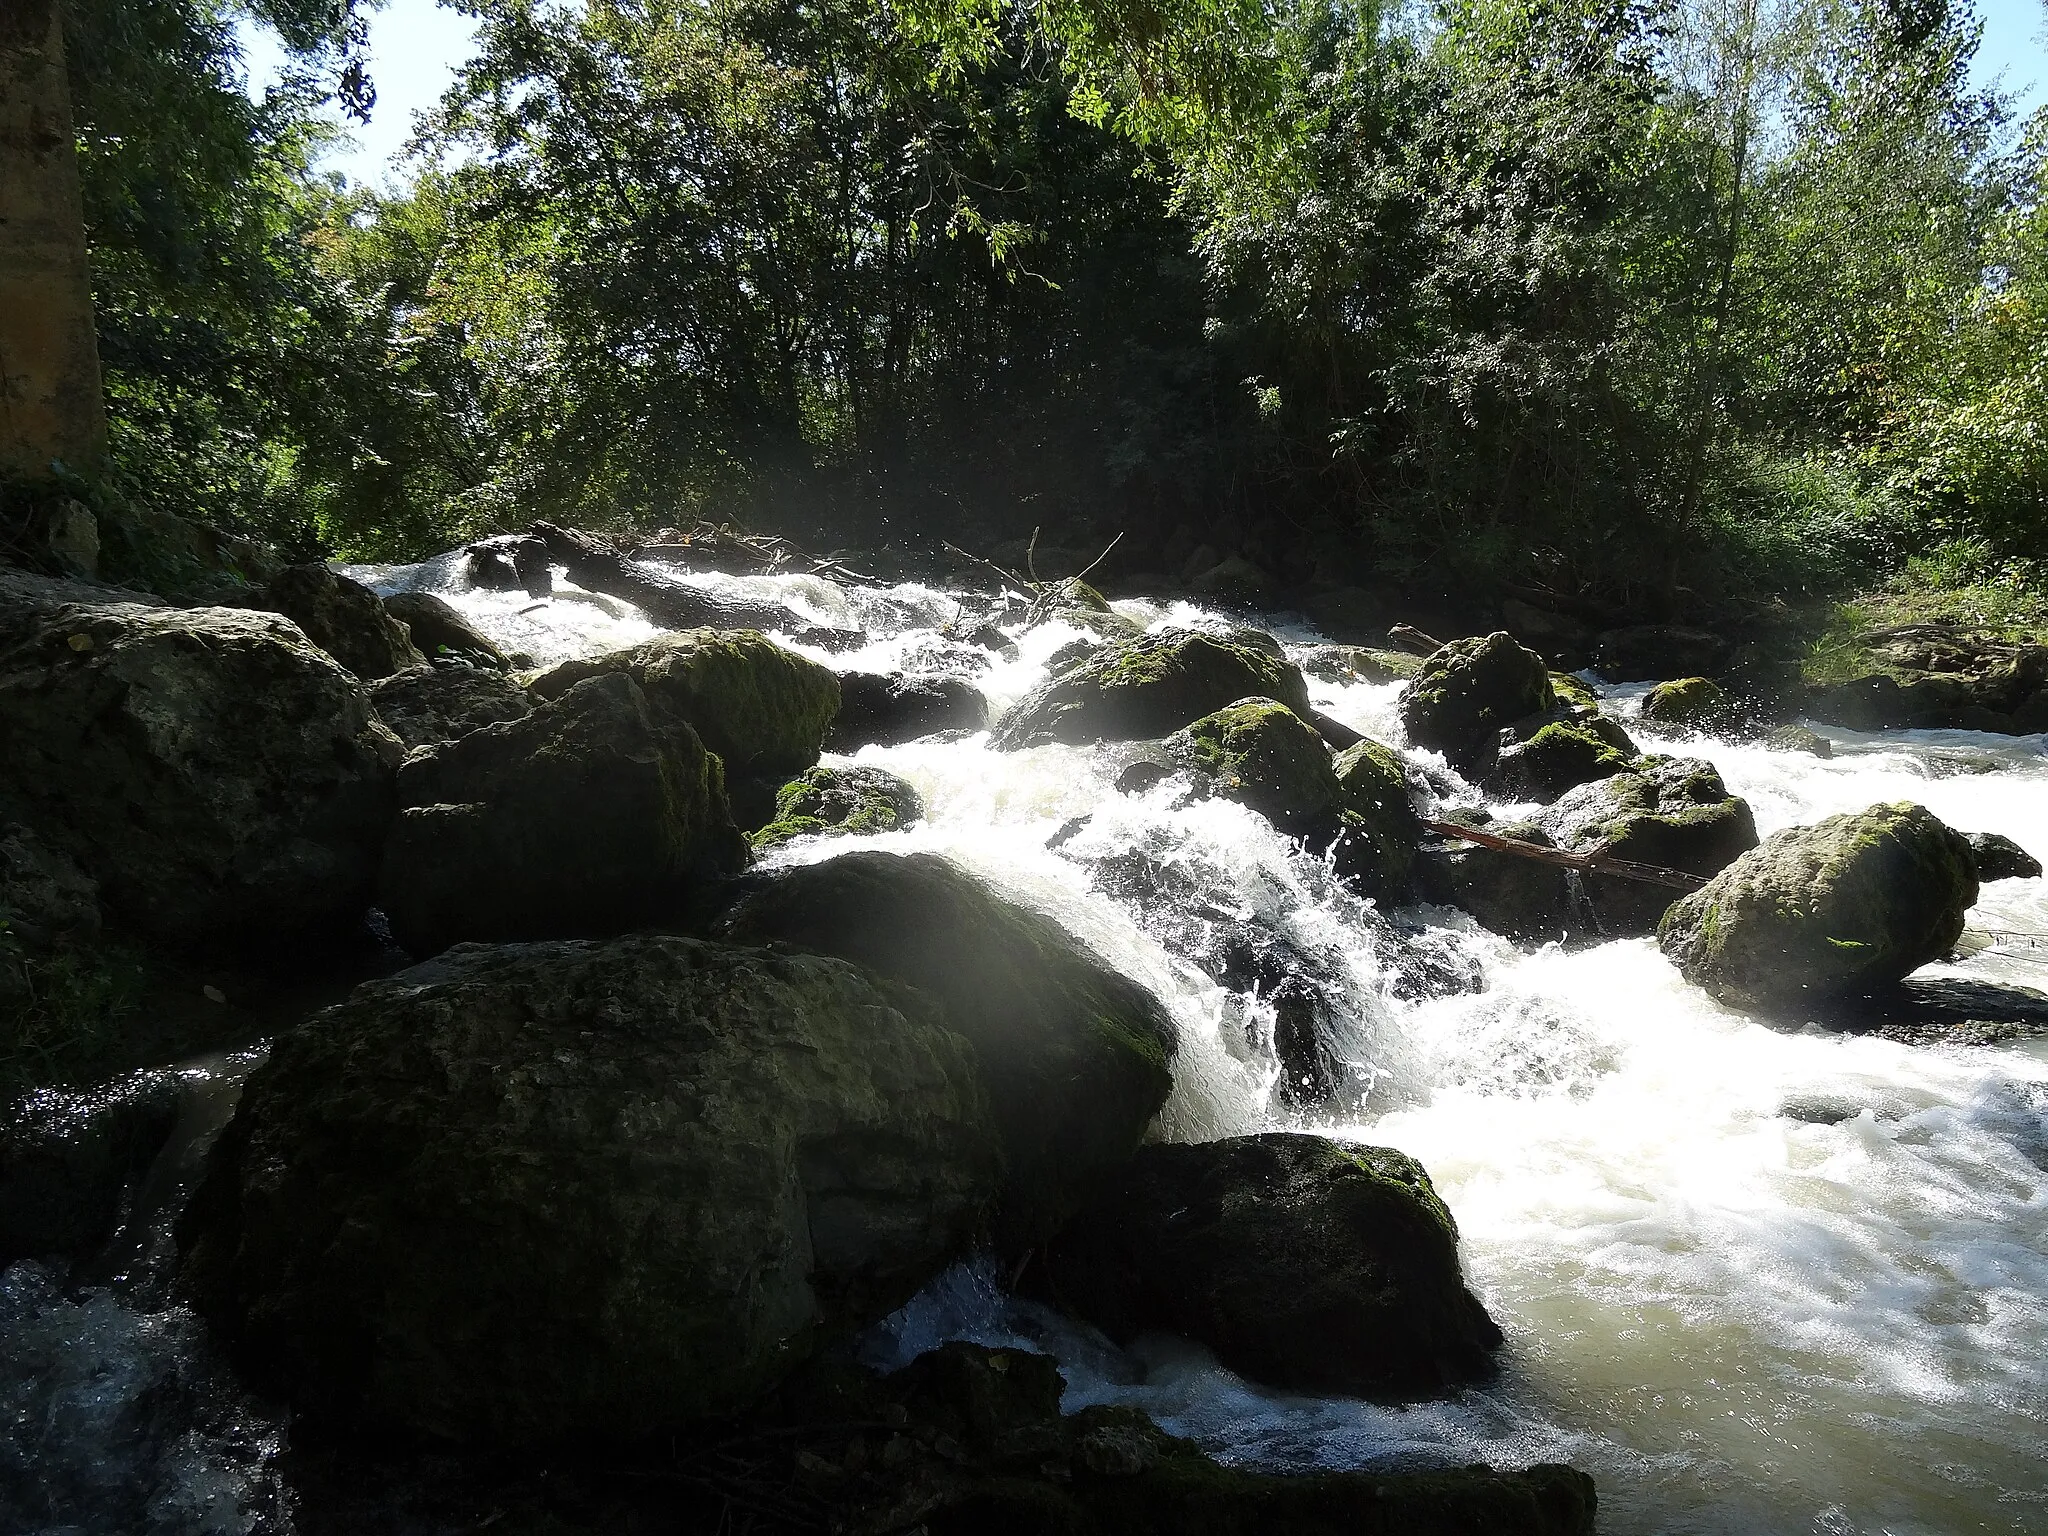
(1302, 1262)
(1077, 1057)
(1468, 692)
(983, 1448)
(439, 630)
(1848, 904)
(1998, 857)
(341, 616)
(591, 815)
(763, 709)
(1799, 738)
(584, 1191)
(1148, 686)
(1517, 898)
(223, 780)
(1690, 702)
(423, 705)
(850, 801)
(1671, 812)
(887, 710)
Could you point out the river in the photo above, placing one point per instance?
(1755, 1280)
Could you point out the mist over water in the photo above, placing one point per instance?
(1755, 1280)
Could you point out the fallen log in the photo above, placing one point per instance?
(596, 566)
(1590, 863)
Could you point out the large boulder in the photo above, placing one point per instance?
(1997, 856)
(592, 815)
(1560, 755)
(423, 705)
(1077, 1057)
(341, 616)
(1302, 1262)
(840, 802)
(1263, 755)
(439, 631)
(223, 780)
(883, 709)
(1378, 830)
(1468, 692)
(1148, 686)
(584, 1191)
(1849, 904)
(761, 707)
(1687, 703)
(1671, 812)
(1519, 898)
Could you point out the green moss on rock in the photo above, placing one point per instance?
(840, 801)
(1468, 691)
(1380, 830)
(584, 1191)
(1813, 913)
(1263, 755)
(1560, 756)
(1148, 686)
(763, 709)
(1077, 1057)
(1694, 702)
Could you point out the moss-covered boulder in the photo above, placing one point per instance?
(1359, 664)
(1671, 812)
(341, 616)
(886, 709)
(1149, 686)
(762, 708)
(440, 632)
(832, 801)
(1468, 692)
(1840, 907)
(1998, 857)
(1690, 703)
(1077, 1057)
(1261, 754)
(584, 1191)
(222, 779)
(1561, 755)
(423, 705)
(592, 815)
(1574, 696)
(1378, 831)
(1302, 1262)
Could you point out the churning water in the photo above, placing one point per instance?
(1754, 1280)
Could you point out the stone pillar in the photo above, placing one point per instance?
(50, 403)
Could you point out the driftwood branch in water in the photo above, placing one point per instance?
(1592, 863)
(596, 566)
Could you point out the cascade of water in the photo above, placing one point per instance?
(1753, 1280)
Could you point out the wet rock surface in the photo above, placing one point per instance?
(1998, 857)
(593, 814)
(423, 705)
(560, 1191)
(440, 632)
(70, 1163)
(221, 779)
(1468, 692)
(762, 708)
(1148, 686)
(885, 710)
(1077, 1057)
(1302, 1262)
(1852, 903)
(341, 616)
(851, 801)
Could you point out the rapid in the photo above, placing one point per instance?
(1754, 1280)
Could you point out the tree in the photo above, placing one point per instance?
(51, 414)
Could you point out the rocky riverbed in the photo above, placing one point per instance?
(1091, 1097)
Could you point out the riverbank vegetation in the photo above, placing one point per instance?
(1633, 308)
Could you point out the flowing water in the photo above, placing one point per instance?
(1755, 1280)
